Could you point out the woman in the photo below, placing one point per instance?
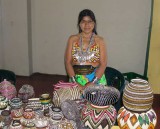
(85, 57)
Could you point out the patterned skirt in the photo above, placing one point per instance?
(86, 73)
(83, 79)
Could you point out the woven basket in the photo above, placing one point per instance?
(138, 95)
(101, 95)
(63, 91)
(7, 89)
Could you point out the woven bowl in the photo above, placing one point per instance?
(15, 103)
(101, 95)
(138, 95)
(45, 99)
(3, 105)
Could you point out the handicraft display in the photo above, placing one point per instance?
(67, 124)
(34, 103)
(98, 113)
(17, 114)
(16, 108)
(41, 122)
(15, 103)
(5, 118)
(30, 125)
(7, 89)
(137, 112)
(132, 120)
(56, 113)
(45, 99)
(3, 102)
(101, 95)
(63, 91)
(26, 92)
(138, 95)
(16, 124)
(71, 111)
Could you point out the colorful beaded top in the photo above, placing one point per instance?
(92, 53)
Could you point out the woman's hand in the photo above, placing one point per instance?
(89, 84)
(81, 88)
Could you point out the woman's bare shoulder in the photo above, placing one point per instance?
(99, 39)
(74, 38)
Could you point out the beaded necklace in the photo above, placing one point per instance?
(90, 43)
(83, 56)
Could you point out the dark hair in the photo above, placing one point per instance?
(83, 13)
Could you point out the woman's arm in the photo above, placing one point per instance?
(103, 58)
(68, 57)
(102, 63)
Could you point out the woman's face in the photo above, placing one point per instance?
(87, 25)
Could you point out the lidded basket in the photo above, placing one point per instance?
(100, 95)
(138, 95)
(98, 112)
(26, 92)
(7, 89)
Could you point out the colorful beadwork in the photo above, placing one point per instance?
(98, 117)
(101, 95)
(63, 91)
(138, 95)
(92, 54)
(131, 120)
(7, 89)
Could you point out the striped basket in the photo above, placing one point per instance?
(138, 95)
(63, 91)
(101, 95)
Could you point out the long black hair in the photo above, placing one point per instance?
(87, 12)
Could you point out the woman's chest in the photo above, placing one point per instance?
(87, 53)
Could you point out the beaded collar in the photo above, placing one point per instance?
(83, 56)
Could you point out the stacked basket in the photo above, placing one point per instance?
(137, 111)
(99, 112)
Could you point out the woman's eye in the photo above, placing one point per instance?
(86, 22)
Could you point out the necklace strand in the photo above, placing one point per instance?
(87, 55)
(90, 42)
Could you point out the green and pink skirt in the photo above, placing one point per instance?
(86, 73)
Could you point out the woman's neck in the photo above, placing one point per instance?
(87, 36)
